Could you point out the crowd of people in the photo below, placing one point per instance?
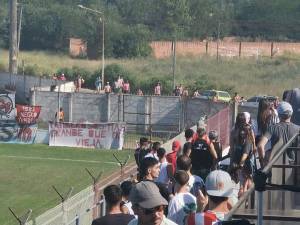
(187, 185)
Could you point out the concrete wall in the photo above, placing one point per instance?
(167, 113)
(24, 84)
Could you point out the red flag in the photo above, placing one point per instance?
(27, 114)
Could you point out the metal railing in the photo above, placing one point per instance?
(278, 150)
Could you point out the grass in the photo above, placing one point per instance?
(27, 175)
(248, 76)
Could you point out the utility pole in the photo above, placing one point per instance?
(13, 40)
(174, 61)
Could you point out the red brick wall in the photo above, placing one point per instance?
(162, 49)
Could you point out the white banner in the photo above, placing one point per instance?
(101, 136)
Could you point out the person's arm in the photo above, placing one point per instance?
(261, 149)
(212, 151)
(170, 172)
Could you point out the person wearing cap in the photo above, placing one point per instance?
(113, 198)
(172, 156)
(219, 189)
(148, 205)
(284, 130)
(203, 155)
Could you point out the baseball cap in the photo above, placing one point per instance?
(146, 194)
(218, 183)
(284, 108)
(176, 146)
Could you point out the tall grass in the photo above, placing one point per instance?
(248, 76)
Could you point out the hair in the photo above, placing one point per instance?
(184, 162)
(143, 140)
(263, 115)
(181, 177)
(188, 133)
(161, 152)
(156, 145)
(112, 194)
(285, 116)
(201, 132)
(126, 187)
(147, 163)
(240, 120)
(213, 135)
(217, 199)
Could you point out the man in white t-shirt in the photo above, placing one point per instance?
(163, 177)
(195, 183)
(183, 203)
(153, 151)
(218, 186)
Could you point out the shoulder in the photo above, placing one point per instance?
(133, 222)
(166, 221)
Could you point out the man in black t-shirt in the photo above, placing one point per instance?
(284, 130)
(202, 155)
(141, 151)
(187, 147)
(113, 198)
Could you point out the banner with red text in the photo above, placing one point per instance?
(27, 114)
(101, 136)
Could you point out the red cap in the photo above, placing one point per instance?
(176, 146)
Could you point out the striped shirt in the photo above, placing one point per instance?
(206, 218)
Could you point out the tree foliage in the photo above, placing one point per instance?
(131, 24)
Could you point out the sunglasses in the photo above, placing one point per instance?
(159, 208)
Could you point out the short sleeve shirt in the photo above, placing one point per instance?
(120, 219)
(282, 130)
(240, 150)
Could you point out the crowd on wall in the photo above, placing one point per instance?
(188, 185)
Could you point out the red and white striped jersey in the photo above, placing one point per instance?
(206, 218)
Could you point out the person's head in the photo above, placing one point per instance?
(188, 134)
(60, 109)
(263, 114)
(247, 117)
(213, 135)
(155, 146)
(161, 153)
(149, 168)
(143, 142)
(285, 111)
(113, 195)
(147, 203)
(126, 187)
(201, 131)
(176, 146)
(184, 163)
(181, 178)
(218, 186)
(240, 120)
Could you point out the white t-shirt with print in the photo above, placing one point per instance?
(181, 206)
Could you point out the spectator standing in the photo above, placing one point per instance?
(236, 98)
(148, 205)
(107, 88)
(183, 203)
(203, 155)
(153, 152)
(284, 130)
(61, 115)
(176, 91)
(218, 186)
(196, 94)
(185, 93)
(187, 147)
(157, 89)
(126, 87)
(113, 197)
(141, 151)
(78, 83)
(139, 92)
(172, 156)
(195, 183)
(126, 187)
(163, 177)
(180, 89)
(120, 82)
(98, 84)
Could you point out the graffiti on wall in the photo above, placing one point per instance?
(7, 103)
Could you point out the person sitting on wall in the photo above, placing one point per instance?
(61, 115)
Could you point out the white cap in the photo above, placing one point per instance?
(218, 183)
